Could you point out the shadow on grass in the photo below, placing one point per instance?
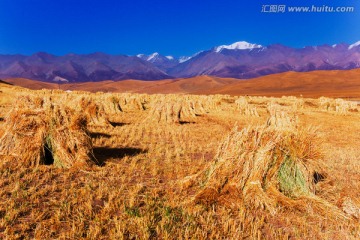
(185, 122)
(103, 154)
(117, 124)
(99, 135)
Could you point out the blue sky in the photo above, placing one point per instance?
(172, 27)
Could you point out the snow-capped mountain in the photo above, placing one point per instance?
(164, 63)
(184, 59)
(245, 60)
(242, 45)
(154, 57)
(238, 60)
(354, 45)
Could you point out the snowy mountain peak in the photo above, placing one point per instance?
(153, 56)
(242, 45)
(183, 59)
(354, 45)
(170, 57)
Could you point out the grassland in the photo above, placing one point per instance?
(136, 166)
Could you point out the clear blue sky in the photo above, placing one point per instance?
(172, 27)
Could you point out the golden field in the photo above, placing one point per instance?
(78, 165)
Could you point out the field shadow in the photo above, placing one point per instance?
(117, 124)
(186, 122)
(99, 135)
(104, 154)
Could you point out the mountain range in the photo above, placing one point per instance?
(241, 60)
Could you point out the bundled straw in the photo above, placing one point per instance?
(168, 112)
(56, 135)
(68, 138)
(24, 136)
(94, 112)
(338, 106)
(245, 108)
(265, 169)
(281, 118)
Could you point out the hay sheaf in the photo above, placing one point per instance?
(281, 118)
(69, 139)
(338, 106)
(261, 169)
(164, 111)
(24, 136)
(95, 112)
(245, 108)
(56, 135)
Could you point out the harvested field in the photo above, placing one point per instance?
(136, 166)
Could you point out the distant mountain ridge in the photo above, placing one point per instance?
(331, 83)
(240, 60)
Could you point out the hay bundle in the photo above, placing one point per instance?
(24, 136)
(174, 111)
(198, 106)
(294, 102)
(343, 107)
(353, 106)
(266, 170)
(94, 112)
(68, 138)
(325, 103)
(188, 111)
(132, 102)
(245, 108)
(109, 104)
(164, 112)
(54, 136)
(338, 106)
(29, 102)
(298, 104)
(208, 103)
(281, 118)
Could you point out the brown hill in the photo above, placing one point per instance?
(187, 85)
(309, 84)
(31, 84)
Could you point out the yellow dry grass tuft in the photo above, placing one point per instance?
(172, 110)
(281, 117)
(338, 106)
(268, 172)
(245, 108)
(56, 135)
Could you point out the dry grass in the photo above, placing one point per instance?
(281, 118)
(35, 134)
(169, 109)
(265, 169)
(338, 106)
(245, 108)
(143, 175)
